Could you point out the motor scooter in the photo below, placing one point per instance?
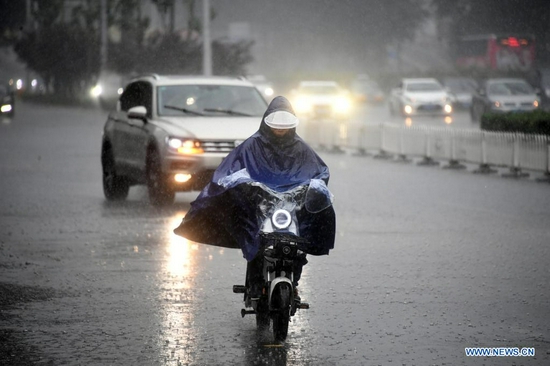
(281, 249)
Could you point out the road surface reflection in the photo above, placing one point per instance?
(178, 336)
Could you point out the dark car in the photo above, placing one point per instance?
(503, 95)
(367, 91)
(461, 90)
(7, 101)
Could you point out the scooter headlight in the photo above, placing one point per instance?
(281, 219)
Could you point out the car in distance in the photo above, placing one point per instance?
(461, 90)
(420, 96)
(264, 86)
(315, 100)
(107, 90)
(7, 102)
(500, 95)
(367, 91)
(171, 132)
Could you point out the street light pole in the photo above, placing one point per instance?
(207, 46)
(103, 44)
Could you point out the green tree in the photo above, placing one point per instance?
(63, 45)
(63, 53)
(12, 20)
(231, 58)
(126, 54)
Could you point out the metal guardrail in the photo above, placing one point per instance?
(516, 151)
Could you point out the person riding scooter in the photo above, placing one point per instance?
(222, 215)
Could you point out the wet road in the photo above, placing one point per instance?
(427, 262)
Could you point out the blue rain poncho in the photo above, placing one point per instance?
(226, 213)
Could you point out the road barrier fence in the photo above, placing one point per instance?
(516, 151)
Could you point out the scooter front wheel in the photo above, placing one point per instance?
(262, 315)
(281, 317)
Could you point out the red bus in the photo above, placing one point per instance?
(496, 52)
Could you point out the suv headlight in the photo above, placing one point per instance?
(186, 147)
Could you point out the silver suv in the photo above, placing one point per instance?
(171, 132)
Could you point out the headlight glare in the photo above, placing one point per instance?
(302, 105)
(186, 147)
(96, 91)
(281, 219)
(341, 105)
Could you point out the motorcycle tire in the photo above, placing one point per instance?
(281, 317)
(262, 316)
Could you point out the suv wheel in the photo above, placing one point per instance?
(115, 187)
(160, 193)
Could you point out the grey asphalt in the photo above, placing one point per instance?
(428, 261)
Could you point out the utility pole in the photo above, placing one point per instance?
(207, 46)
(103, 41)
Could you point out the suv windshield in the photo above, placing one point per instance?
(209, 100)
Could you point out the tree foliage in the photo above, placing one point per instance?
(63, 47)
(12, 20)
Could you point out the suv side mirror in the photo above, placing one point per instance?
(139, 112)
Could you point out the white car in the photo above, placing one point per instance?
(420, 96)
(171, 132)
(321, 100)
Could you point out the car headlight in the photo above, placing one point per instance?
(281, 219)
(497, 104)
(268, 91)
(96, 91)
(341, 105)
(185, 147)
(5, 108)
(536, 104)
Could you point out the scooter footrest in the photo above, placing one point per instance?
(239, 289)
(303, 305)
